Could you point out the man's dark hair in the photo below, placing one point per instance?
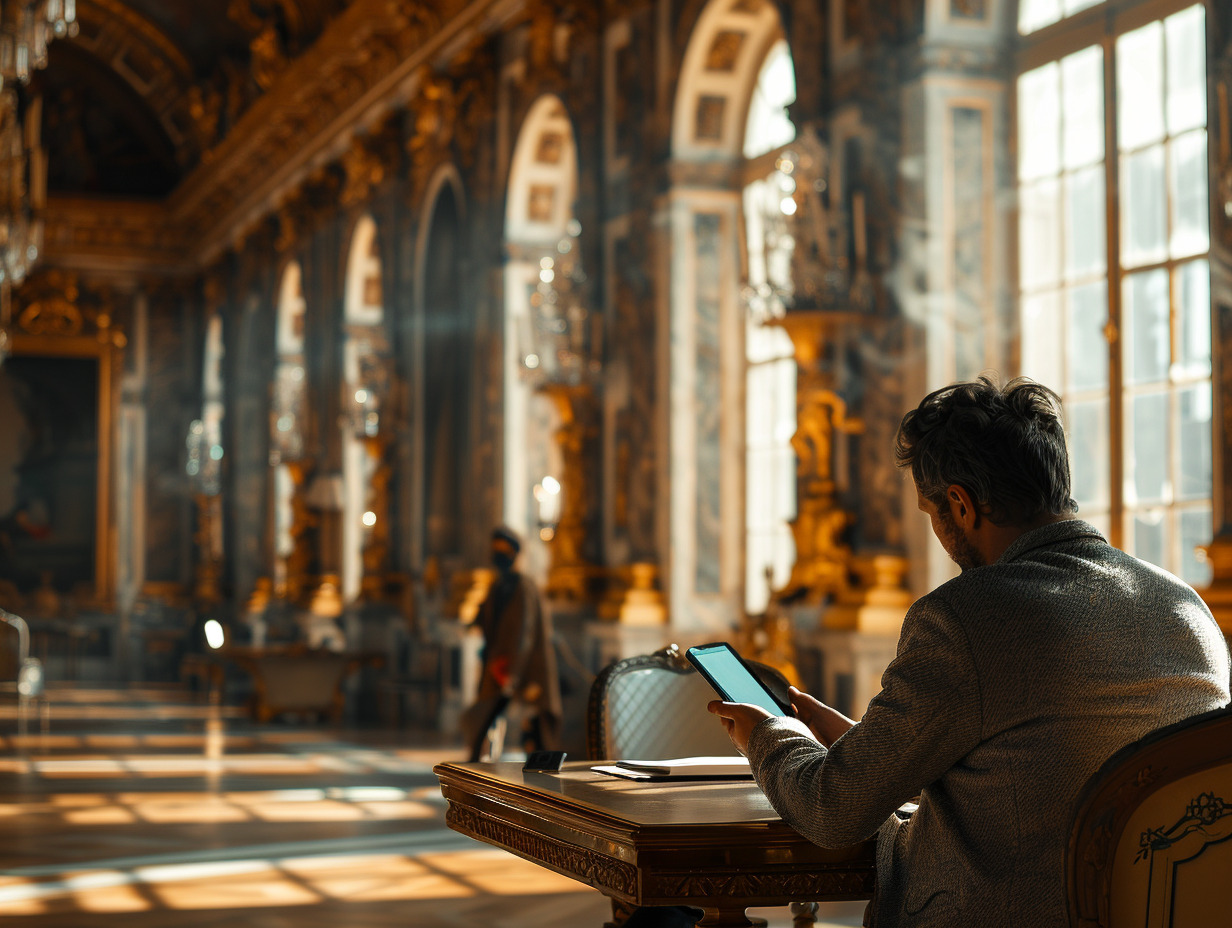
(1004, 445)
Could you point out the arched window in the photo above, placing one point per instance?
(770, 377)
(1114, 288)
(205, 448)
(732, 383)
(287, 416)
(365, 370)
(540, 238)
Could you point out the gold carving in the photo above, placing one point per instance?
(569, 574)
(635, 599)
(467, 590)
(611, 876)
(50, 317)
(694, 884)
(375, 554)
(363, 171)
(822, 557)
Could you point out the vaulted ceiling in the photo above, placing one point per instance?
(148, 87)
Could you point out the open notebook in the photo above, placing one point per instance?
(680, 768)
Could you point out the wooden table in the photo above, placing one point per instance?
(715, 845)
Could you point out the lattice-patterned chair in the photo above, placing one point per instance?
(1151, 843)
(654, 706)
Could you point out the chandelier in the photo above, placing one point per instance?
(562, 343)
(798, 256)
(26, 28)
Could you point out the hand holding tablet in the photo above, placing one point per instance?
(726, 671)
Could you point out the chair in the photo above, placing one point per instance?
(653, 706)
(1151, 842)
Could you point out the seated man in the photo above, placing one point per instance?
(1013, 682)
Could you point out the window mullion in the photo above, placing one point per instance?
(1112, 237)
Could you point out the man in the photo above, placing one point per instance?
(1013, 682)
(519, 661)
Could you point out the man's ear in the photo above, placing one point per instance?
(962, 506)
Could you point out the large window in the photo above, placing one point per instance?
(770, 380)
(1115, 290)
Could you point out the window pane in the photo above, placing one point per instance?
(768, 124)
(1039, 121)
(1039, 245)
(1190, 202)
(1195, 441)
(759, 423)
(1036, 14)
(1087, 435)
(1147, 467)
(1085, 211)
(1143, 221)
(1195, 531)
(785, 405)
(1186, 42)
(1041, 331)
(1194, 284)
(759, 489)
(1088, 350)
(1148, 536)
(1082, 80)
(1073, 6)
(785, 479)
(1145, 329)
(1140, 110)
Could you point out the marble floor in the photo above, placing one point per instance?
(143, 808)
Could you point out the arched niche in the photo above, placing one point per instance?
(729, 121)
(539, 223)
(365, 391)
(288, 408)
(443, 397)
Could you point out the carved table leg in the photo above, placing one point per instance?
(804, 914)
(620, 913)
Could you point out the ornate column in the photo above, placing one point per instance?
(568, 573)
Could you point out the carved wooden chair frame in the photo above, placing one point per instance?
(1113, 794)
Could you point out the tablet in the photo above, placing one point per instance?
(731, 677)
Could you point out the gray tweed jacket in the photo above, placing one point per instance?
(1012, 684)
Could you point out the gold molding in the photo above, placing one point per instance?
(359, 66)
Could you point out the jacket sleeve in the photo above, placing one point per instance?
(925, 719)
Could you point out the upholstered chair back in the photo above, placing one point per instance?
(1151, 845)
(653, 707)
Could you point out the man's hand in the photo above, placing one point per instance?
(739, 718)
(826, 724)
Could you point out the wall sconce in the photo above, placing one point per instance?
(547, 496)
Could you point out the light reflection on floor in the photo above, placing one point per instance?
(144, 809)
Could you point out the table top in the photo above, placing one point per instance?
(651, 843)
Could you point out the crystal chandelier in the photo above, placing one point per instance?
(563, 343)
(26, 28)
